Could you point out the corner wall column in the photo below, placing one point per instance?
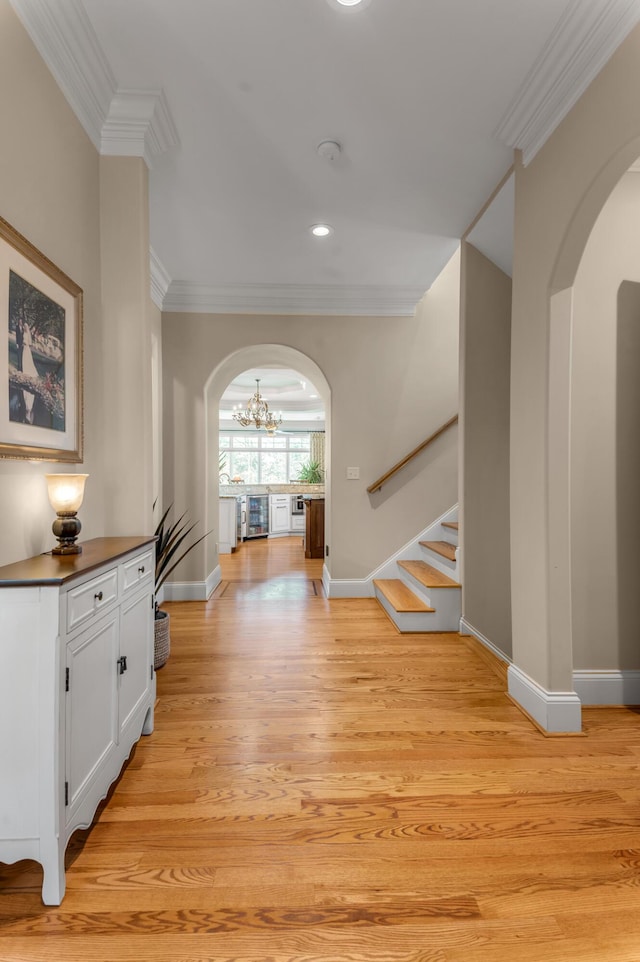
(127, 348)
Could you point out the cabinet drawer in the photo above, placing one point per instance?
(91, 598)
(139, 570)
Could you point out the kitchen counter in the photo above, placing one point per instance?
(308, 490)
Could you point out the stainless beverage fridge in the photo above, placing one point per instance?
(257, 515)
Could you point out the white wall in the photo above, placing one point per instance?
(393, 381)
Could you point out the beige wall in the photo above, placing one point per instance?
(392, 380)
(89, 216)
(606, 437)
(558, 197)
(49, 191)
(127, 350)
(485, 376)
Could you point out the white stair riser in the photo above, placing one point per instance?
(438, 561)
(449, 534)
(434, 597)
(443, 619)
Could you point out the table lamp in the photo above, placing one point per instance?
(66, 492)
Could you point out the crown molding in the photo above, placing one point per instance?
(369, 300)
(124, 123)
(160, 279)
(586, 36)
(139, 124)
(66, 41)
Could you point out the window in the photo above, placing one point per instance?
(258, 458)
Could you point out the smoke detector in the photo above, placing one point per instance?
(329, 150)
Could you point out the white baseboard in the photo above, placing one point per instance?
(192, 590)
(467, 629)
(554, 711)
(607, 687)
(343, 588)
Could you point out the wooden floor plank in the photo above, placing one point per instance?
(321, 789)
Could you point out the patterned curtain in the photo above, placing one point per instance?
(316, 450)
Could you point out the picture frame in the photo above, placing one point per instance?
(41, 360)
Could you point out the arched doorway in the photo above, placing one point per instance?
(551, 239)
(594, 441)
(257, 356)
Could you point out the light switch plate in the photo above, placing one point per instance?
(353, 474)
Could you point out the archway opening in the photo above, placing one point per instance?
(261, 463)
(592, 455)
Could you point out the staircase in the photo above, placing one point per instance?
(426, 595)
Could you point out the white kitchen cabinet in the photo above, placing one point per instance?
(77, 690)
(279, 513)
(228, 533)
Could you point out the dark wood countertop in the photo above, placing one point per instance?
(50, 569)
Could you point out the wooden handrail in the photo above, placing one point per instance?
(385, 477)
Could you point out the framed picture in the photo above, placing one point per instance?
(40, 355)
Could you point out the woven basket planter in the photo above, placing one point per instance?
(162, 639)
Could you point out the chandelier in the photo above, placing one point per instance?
(257, 413)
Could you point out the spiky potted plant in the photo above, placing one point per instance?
(170, 551)
(311, 473)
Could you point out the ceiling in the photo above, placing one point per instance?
(229, 99)
(287, 393)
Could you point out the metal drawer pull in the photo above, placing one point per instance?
(141, 570)
(99, 596)
(122, 664)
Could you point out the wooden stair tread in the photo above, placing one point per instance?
(400, 596)
(450, 524)
(444, 548)
(428, 576)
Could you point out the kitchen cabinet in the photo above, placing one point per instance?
(76, 691)
(314, 528)
(228, 532)
(297, 523)
(279, 513)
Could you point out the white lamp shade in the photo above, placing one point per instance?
(65, 491)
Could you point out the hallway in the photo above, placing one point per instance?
(320, 788)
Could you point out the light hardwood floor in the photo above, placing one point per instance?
(319, 788)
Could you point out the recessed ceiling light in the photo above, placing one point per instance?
(356, 4)
(321, 230)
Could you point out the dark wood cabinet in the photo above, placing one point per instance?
(314, 528)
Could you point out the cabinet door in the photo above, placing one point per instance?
(279, 517)
(91, 706)
(136, 648)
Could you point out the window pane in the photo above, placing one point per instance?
(273, 442)
(225, 441)
(299, 443)
(245, 441)
(244, 464)
(296, 460)
(274, 467)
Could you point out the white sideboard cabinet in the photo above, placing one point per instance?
(77, 689)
